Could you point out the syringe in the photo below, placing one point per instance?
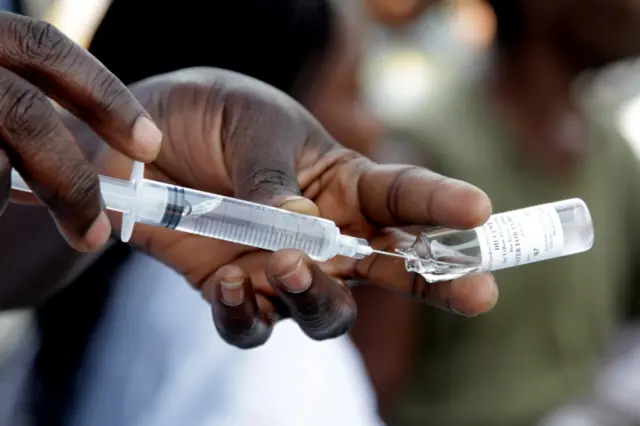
(506, 240)
(224, 218)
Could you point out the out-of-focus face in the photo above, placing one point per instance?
(608, 30)
(397, 12)
(334, 96)
(594, 32)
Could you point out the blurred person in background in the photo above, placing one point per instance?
(397, 14)
(516, 127)
(440, 29)
(450, 34)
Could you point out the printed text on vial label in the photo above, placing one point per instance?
(520, 237)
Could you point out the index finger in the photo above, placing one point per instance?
(408, 195)
(66, 72)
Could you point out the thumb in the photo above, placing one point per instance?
(283, 193)
(262, 137)
(274, 184)
(266, 174)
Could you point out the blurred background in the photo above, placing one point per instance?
(533, 101)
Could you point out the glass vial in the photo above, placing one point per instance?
(506, 240)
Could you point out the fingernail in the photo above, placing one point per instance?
(147, 136)
(98, 233)
(457, 312)
(298, 280)
(300, 205)
(232, 292)
(451, 307)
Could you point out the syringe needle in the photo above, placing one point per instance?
(388, 253)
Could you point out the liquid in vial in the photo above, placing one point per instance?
(506, 240)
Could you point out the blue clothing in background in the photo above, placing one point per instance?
(7, 5)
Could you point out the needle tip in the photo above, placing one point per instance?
(388, 253)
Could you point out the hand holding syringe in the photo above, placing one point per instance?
(506, 240)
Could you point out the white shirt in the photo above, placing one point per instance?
(157, 360)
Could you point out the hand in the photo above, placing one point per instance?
(231, 135)
(36, 61)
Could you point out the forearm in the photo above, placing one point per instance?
(35, 260)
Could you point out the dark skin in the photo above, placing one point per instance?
(35, 62)
(530, 84)
(332, 92)
(396, 13)
(203, 151)
(219, 130)
(335, 99)
(308, 172)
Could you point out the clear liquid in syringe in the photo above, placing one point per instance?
(252, 225)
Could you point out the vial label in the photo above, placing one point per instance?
(520, 237)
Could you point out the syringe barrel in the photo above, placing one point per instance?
(223, 218)
(237, 221)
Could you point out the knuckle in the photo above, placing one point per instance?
(269, 181)
(250, 100)
(79, 187)
(325, 317)
(394, 195)
(334, 323)
(112, 95)
(271, 175)
(247, 336)
(25, 112)
(45, 45)
(268, 116)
